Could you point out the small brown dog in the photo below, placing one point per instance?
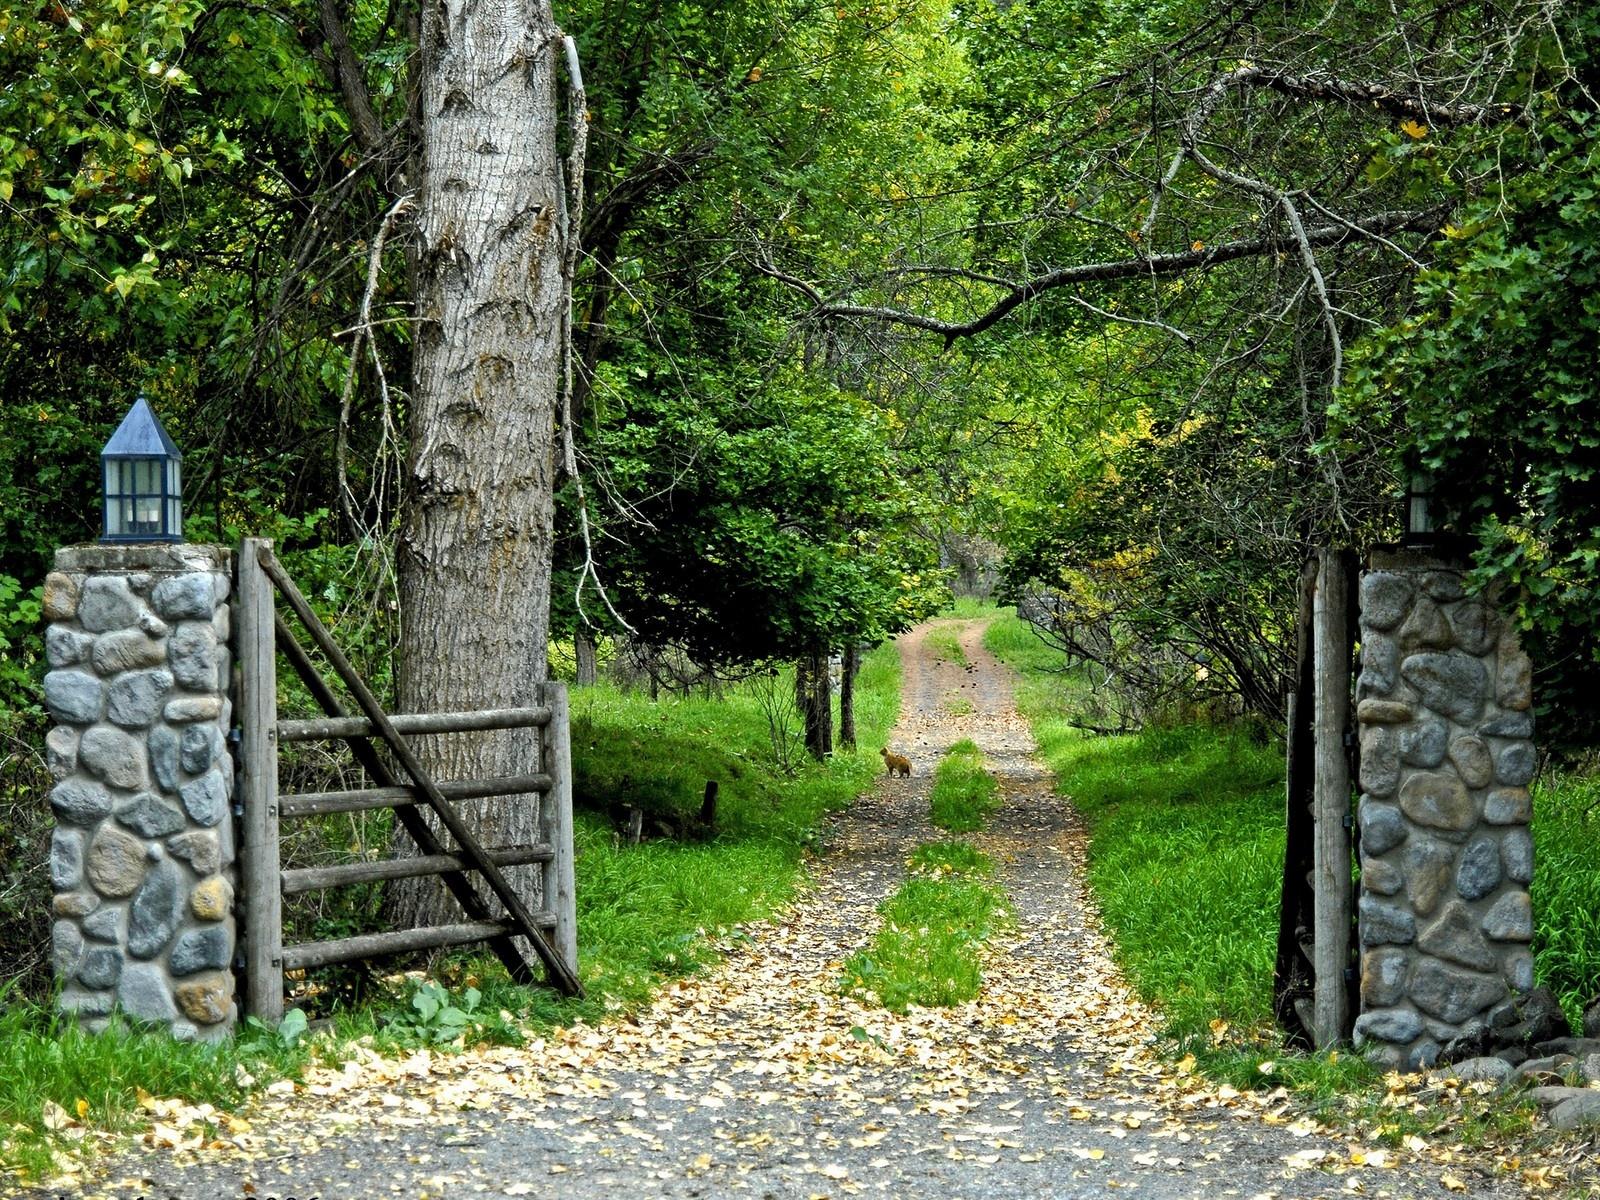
(897, 764)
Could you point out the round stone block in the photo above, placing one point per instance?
(1380, 876)
(1382, 827)
(164, 758)
(1383, 712)
(1519, 970)
(1513, 675)
(73, 697)
(79, 801)
(1454, 937)
(61, 594)
(114, 756)
(206, 799)
(1437, 800)
(134, 699)
(61, 751)
(153, 917)
(144, 995)
(64, 647)
(1426, 866)
(1425, 628)
(127, 650)
(1380, 663)
(1443, 586)
(192, 655)
(199, 848)
(1380, 759)
(151, 816)
(66, 947)
(106, 603)
(1509, 725)
(1470, 757)
(66, 859)
(105, 923)
(1515, 764)
(193, 708)
(1453, 684)
(101, 968)
(1383, 977)
(202, 746)
(1385, 924)
(185, 596)
(1508, 806)
(1451, 993)
(1510, 919)
(1478, 873)
(1516, 852)
(200, 950)
(73, 904)
(207, 999)
(116, 862)
(1398, 1026)
(1476, 628)
(1384, 599)
(1423, 744)
(212, 899)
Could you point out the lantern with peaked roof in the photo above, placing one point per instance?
(141, 487)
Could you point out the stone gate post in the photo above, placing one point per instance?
(142, 857)
(1444, 706)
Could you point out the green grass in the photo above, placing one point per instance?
(964, 793)
(1566, 888)
(952, 857)
(946, 645)
(970, 608)
(926, 951)
(646, 913)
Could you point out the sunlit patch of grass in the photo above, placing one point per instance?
(970, 608)
(951, 857)
(945, 643)
(927, 950)
(964, 793)
(1566, 888)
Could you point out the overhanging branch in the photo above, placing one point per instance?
(1155, 266)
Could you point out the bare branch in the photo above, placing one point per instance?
(1156, 266)
(1122, 318)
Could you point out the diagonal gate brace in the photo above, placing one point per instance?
(560, 973)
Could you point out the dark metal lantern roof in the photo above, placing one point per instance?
(140, 436)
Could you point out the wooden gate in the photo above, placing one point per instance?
(262, 633)
(1314, 983)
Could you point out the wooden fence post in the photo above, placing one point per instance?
(1331, 999)
(258, 786)
(555, 823)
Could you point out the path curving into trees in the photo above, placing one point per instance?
(759, 1078)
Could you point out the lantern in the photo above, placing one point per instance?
(142, 497)
(1419, 529)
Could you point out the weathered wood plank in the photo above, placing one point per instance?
(559, 973)
(402, 941)
(1331, 770)
(258, 785)
(555, 824)
(458, 883)
(314, 804)
(312, 879)
(324, 728)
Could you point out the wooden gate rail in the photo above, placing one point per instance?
(552, 934)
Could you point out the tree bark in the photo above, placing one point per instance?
(814, 695)
(475, 545)
(847, 695)
(583, 649)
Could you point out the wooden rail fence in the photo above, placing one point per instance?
(262, 635)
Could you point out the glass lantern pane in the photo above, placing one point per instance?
(147, 514)
(174, 515)
(114, 476)
(149, 477)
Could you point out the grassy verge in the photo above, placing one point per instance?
(964, 793)
(927, 950)
(1186, 854)
(646, 913)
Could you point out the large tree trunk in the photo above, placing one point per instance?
(585, 651)
(476, 544)
(847, 694)
(814, 697)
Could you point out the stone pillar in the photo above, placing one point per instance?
(1444, 709)
(141, 859)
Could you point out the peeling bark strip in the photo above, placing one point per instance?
(475, 547)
